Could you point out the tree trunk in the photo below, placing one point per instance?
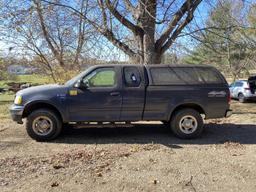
(140, 56)
(147, 15)
(148, 50)
(158, 58)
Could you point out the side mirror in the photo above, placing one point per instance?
(80, 85)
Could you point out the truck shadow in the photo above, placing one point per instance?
(159, 134)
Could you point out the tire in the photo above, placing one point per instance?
(241, 98)
(194, 123)
(43, 125)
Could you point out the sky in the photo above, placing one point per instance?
(200, 16)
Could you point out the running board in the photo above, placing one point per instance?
(100, 124)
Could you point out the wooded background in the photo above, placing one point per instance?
(62, 37)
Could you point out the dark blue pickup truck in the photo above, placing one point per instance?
(104, 95)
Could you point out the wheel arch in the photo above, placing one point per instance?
(194, 106)
(29, 108)
(239, 93)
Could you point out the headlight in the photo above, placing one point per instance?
(18, 100)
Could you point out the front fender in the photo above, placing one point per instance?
(32, 105)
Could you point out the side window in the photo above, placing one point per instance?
(238, 84)
(132, 77)
(188, 75)
(101, 77)
(175, 76)
(164, 76)
(209, 75)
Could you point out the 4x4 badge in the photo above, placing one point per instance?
(217, 94)
(73, 92)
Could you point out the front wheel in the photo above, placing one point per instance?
(43, 125)
(187, 123)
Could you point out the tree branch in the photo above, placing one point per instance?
(122, 19)
(180, 27)
(46, 34)
(176, 18)
(129, 6)
(104, 31)
(125, 48)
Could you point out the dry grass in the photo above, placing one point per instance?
(142, 158)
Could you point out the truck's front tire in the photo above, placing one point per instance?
(43, 125)
(187, 123)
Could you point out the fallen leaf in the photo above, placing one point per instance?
(55, 184)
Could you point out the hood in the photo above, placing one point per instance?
(40, 88)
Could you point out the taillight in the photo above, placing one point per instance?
(229, 97)
(248, 87)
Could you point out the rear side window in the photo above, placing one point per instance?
(164, 76)
(174, 76)
(188, 75)
(209, 75)
(132, 77)
(238, 84)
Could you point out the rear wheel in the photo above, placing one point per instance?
(187, 123)
(241, 98)
(43, 125)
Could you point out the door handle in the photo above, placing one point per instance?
(115, 94)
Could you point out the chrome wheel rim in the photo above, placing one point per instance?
(188, 124)
(42, 125)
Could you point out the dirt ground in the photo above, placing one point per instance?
(141, 158)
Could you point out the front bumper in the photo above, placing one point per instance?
(228, 113)
(16, 113)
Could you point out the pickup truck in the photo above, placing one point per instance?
(180, 96)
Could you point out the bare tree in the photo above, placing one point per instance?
(151, 25)
(227, 40)
(54, 37)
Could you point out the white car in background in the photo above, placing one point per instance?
(243, 90)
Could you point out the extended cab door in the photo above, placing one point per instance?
(133, 92)
(101, 100)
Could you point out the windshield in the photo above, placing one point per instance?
(76, 78)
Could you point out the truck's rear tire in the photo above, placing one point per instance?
(43, 125)
(187, 123)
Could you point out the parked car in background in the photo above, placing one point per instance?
(179, 96)
(243, 90)
(21, 70)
